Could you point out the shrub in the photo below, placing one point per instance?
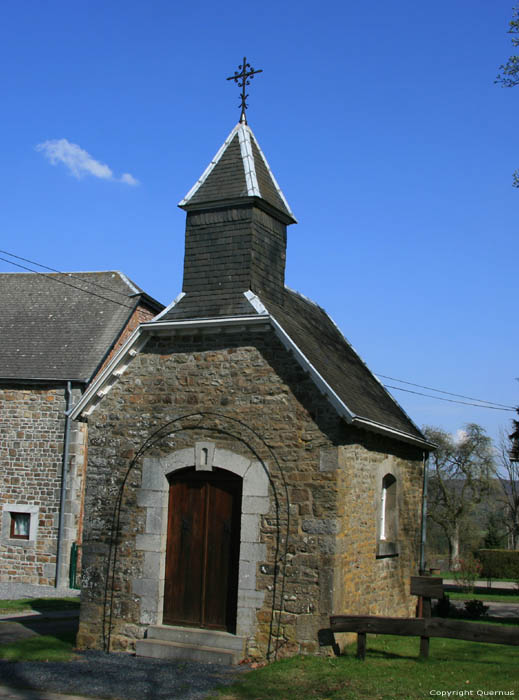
(474, 609)
(499, 563)
(442, 607)
(468, 573)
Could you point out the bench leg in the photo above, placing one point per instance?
(424, 647)
(361, 645)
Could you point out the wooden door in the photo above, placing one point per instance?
(203, 545)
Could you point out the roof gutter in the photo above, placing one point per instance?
(60, 573)
(392, 432)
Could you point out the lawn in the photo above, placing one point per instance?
(38, 604)
(392, 670)
(57, 647)
(511, 597)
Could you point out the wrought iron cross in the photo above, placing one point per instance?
(245, 75)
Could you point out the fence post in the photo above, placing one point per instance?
(361, 645)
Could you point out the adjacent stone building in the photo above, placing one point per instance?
(56, 333)
(248, 475)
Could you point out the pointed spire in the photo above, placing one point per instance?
(239, 170)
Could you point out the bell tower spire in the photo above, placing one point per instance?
(236, 224)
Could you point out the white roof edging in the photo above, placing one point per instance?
(132, 344)
(317, 378)
(249, 167)
(168, 308)
(275, 182)
(365, 365)
(255, 301)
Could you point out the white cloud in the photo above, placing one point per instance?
(129, 179)
(79, 162)
(460, 436)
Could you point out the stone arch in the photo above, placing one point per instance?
(153, 496)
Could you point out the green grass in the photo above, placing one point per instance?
(511, 597)
(392, 670)
(38, 604)
(44, 648)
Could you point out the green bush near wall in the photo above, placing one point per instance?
(499, 563)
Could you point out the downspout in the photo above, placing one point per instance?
(66, 444)
(424, 512)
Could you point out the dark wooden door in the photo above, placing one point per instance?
(203, 545)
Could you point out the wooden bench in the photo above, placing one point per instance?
(425, 626)
(421, 627)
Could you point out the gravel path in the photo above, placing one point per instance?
(119, 677)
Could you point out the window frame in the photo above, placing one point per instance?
(7, 536)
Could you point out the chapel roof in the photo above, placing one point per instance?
(318, 339)
(238, 171)
(61, 326)
(334, 358)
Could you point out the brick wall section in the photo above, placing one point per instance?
(254, 380)
(142, 314)
(31, 444)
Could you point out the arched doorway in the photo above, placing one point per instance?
(203, 549)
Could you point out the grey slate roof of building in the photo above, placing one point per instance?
(239, 170)
(319, 339)
(56, 331)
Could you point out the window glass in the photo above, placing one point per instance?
(20, 524)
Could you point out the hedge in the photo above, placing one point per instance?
(499, 563)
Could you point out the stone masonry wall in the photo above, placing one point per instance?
(367, 584)
(227, 388)
(31, 452)
(31, 443)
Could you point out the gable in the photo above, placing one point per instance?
(334, 366)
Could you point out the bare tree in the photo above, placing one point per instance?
(460, 473)
(509, 77)
(508, 474)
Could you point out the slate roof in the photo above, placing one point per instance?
(239, 170)
(208, 305)
(61, 326)
(321, 342)
(319, 339)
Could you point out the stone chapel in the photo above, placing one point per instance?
(248, 476)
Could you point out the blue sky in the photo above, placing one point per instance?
(381, 122)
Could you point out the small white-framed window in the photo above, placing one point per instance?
(388, 518)
(19, 524)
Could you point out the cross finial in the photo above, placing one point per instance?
(245, 74)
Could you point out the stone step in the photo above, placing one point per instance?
(197, 637)
(161, 649)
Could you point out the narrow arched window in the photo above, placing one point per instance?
(388, 517)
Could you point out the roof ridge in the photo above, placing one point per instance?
(247, 158)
